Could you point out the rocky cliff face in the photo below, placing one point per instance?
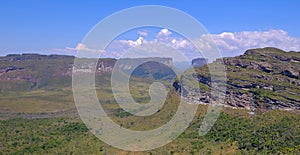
(269, 60)
(198, 62)
(32, 71)
(266, 78)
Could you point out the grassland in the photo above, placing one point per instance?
(42, 118)
(235, 132)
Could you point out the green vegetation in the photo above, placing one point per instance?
(36, 101)
(37, 108)
(35, 71)
(235, 132)
(269, 133)
(269, 76)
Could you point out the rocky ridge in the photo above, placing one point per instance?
(264, 79)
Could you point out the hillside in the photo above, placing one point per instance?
(38, 113)
(33, 71)
(20, 72)
(260, 79)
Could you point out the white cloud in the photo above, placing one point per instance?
(236, 43)
(118, 47)
(164, 32)
(143, 33)
(164, 35)
(229, 43)
(132, 43)
(179, 43)
(83, 47)
(67, 49)
(79, 47)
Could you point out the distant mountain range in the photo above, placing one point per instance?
(266, 78)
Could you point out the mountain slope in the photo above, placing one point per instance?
(19, 72)
(266, 78)
(31, 71)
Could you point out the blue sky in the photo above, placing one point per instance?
(39, 26)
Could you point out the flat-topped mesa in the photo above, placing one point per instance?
(163, 60)
(130, 63)
(33, 56)
(198, 62)
(104, 65)
(32, 71)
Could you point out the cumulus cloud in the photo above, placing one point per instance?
(79, 47)
(229, 43)
(135, 43)
(235, 43)
(164, 35)
(143, 33)
(163, 45)
(179, 43)
(164, 32)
